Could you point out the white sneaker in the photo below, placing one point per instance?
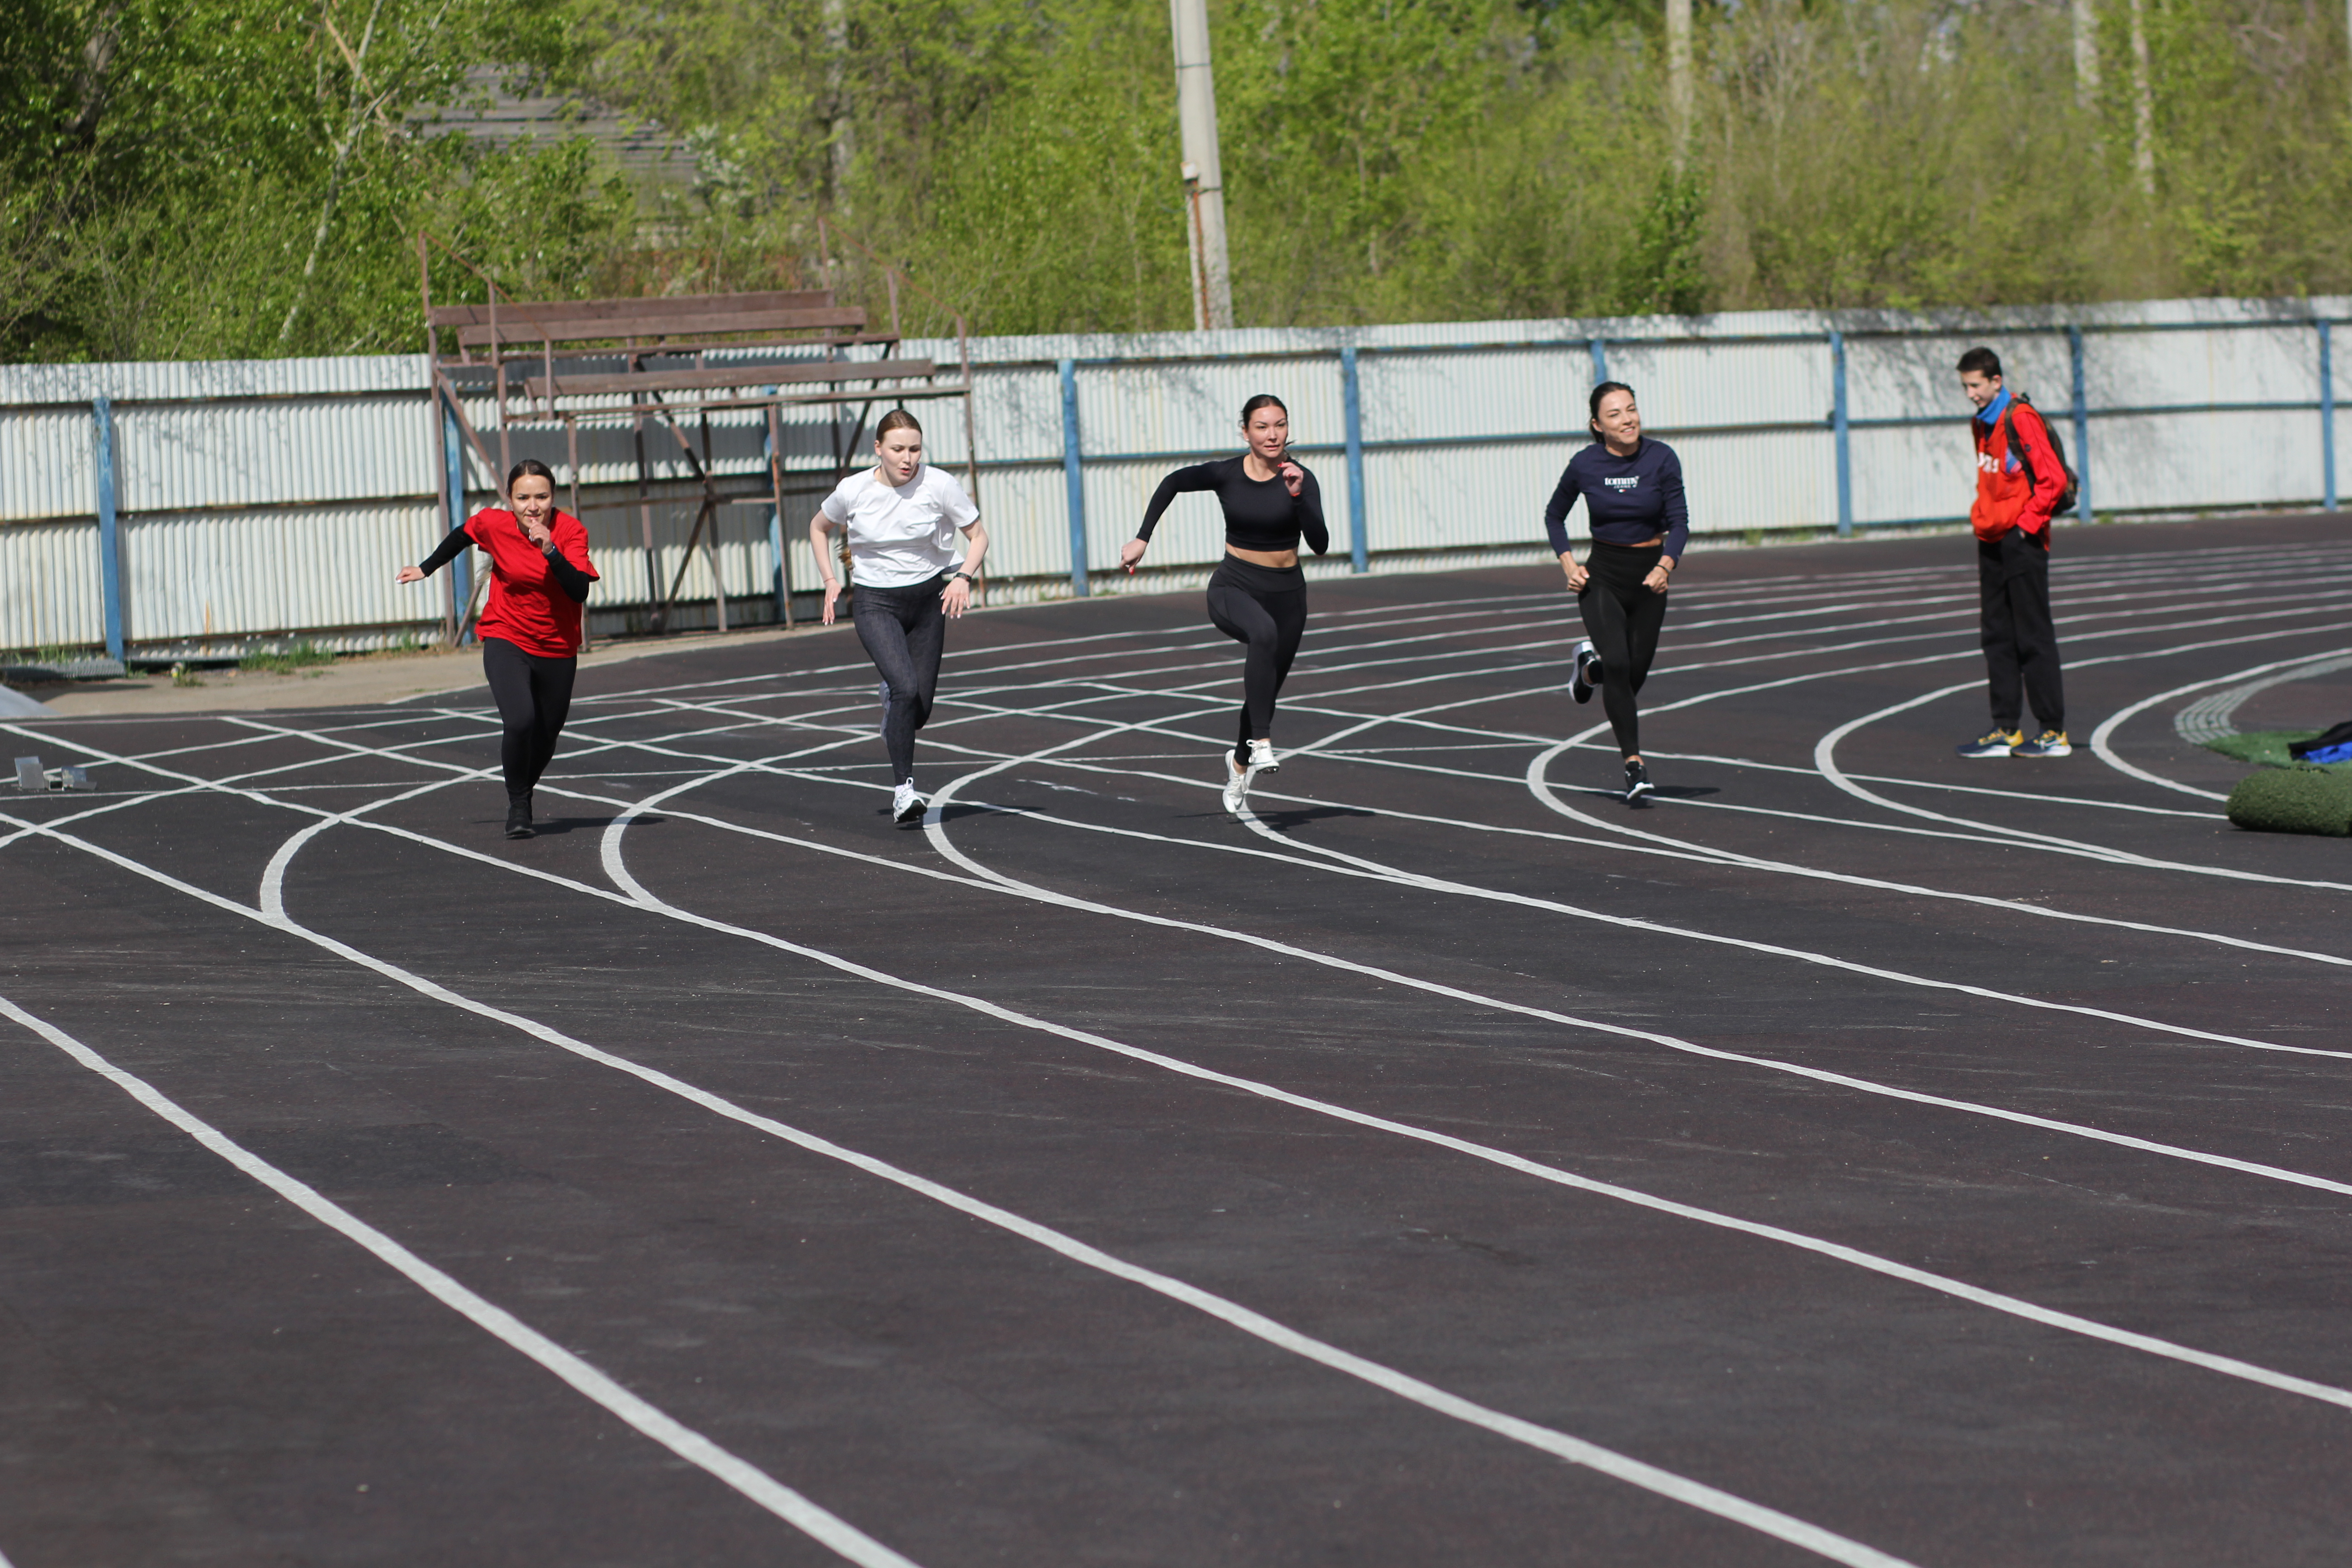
(1262, 759)
(907, 807)
(1237, 786)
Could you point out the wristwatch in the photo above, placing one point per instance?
(965, 575)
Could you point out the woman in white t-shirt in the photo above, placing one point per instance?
(902, 518)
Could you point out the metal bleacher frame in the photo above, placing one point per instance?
(665, 343)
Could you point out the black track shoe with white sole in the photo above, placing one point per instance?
(1587, 672)
(1637, 783)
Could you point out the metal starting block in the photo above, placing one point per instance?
(34, 779)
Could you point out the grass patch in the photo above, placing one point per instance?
(286, 661)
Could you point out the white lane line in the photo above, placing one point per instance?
(1533, 780)
(1983, 833)
(1825, 760)
(274, 904)
(842, 1536)
(1691, 1047)
(795, 1510)
(1890, 583)
(2102, 738)
(273, 897)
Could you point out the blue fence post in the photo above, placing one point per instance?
(776, 554)
(769, 451)
(1073, 478)
(109, 537)
(2081, 428)
(1842, 425)
(1600, 361)
(1360, 555)
(452, 489)
(2327, 412)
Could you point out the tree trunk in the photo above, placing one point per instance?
(1678, 77)
(2086, 53)
(2143, 104)
(355, 120)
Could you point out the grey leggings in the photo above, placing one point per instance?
(903, 630)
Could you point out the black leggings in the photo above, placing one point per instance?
(1266, 608)
(533, 695)
(1623, 618)
(2021, 641)
(903, 630)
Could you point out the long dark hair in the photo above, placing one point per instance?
(1603, 390)
(531, 468)
(897, 419)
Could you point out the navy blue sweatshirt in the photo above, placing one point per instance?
(1260, 514)
(1630, 499)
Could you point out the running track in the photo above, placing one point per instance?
(1862, 1156)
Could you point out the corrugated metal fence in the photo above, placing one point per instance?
(171, 509)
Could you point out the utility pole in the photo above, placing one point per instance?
(1204, 180)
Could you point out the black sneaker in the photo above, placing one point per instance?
(1637, 782)
(519, 819)
(1587, 672)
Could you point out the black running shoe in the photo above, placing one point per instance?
(518, 819)
(1587, 672)
(1637, 782)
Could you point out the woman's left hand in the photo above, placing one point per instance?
(1292, 476)
(957, 598)
(539, 534)
(1659, 576)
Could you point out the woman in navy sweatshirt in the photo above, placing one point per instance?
(1633, 491)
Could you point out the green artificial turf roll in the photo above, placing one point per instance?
(2295, 800)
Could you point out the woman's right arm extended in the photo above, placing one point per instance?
(449, 550)
(1199, 477)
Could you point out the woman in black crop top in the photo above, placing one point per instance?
(1258, 595)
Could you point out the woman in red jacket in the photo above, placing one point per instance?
(530, 627)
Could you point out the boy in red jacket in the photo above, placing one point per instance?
(2016, 493)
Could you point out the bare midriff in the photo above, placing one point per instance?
(1274, 560)
(1650, 543)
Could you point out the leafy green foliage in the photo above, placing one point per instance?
(213, 177)
(209, 177)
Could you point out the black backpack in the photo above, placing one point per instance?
(2070, 492)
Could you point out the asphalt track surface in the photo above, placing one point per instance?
(1863, 1155)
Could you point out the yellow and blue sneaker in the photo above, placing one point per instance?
(1995, 744)
(2049, 743)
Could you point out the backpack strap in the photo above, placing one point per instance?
(2017, 448)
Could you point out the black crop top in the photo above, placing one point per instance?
(1260, 514)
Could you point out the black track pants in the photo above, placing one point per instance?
(904, 630)
(1263, 608)
(533, 695)
(2021, 641)
(1623, 618)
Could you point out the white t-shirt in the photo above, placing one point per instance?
(904, 534)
